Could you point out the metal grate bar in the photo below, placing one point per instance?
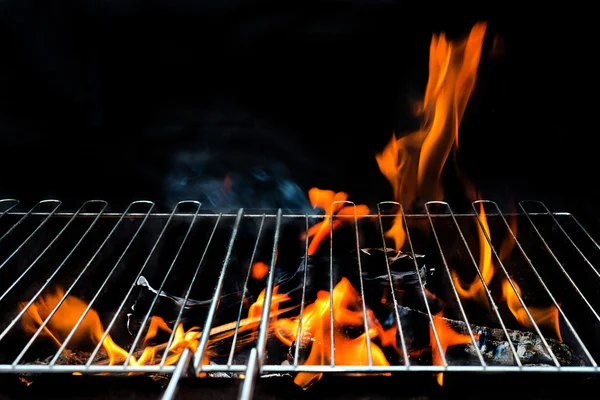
(187, 294)
(245, 291)
(92, 301)
(46, 230)
(27, 240)
(557, 261)
(199, 354)
(264, 320)
(40, 291)
(459, 303)
(436, 336)
(580, 227)
(6, 205)
(543, 284)
(331, 299)
(148, 315)
(129, 291)
(362, 289)
(303, 298)
(68, 291)
(247, 388)
(56, 204)
(405, 358)
(482, 280)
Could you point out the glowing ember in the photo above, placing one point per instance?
(543, 316)
(413, 163)
(259, 270)
(333, 204)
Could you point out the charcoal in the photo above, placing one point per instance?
(491, 342)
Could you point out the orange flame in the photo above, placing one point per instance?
(316, 332)
(326, 200)
(413, 163)
(543, 316)
(476, 290)
(448, 337)
(91, 329)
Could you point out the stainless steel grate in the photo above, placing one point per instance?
(99, 256)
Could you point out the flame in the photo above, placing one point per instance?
(316, 332)
(332, 203)
(413, 163)
(476, 290)
(448, 337)
(91, 330)
(543, 316)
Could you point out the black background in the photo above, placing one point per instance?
(100, 99)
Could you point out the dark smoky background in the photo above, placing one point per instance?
(240, 103)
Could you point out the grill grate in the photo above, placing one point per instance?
(100, 256)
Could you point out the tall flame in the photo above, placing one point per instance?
(413, 163)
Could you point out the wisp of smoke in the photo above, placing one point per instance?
(224, 182)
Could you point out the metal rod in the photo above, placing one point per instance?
(187, 294)
(68, 291)
(133, 284)
(362, 289)
(114, 268)
(178, 373)
(392, 289)
(588, 262)
(423, 293)
(263, 329)
(34, 262)
(458, 302)
(488, 292)
(10, 206)
(247, 388)
(148, 315)
(48, 280)
(300, 334)
(583, 229)
(199, 354)
(516, 292)
(57, 204)
(241, 309)
(269, 368)
(163, 215)
(331, 291)
(543, 284)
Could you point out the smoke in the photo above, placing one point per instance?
(222, 181)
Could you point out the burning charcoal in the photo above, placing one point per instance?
(491, 342)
